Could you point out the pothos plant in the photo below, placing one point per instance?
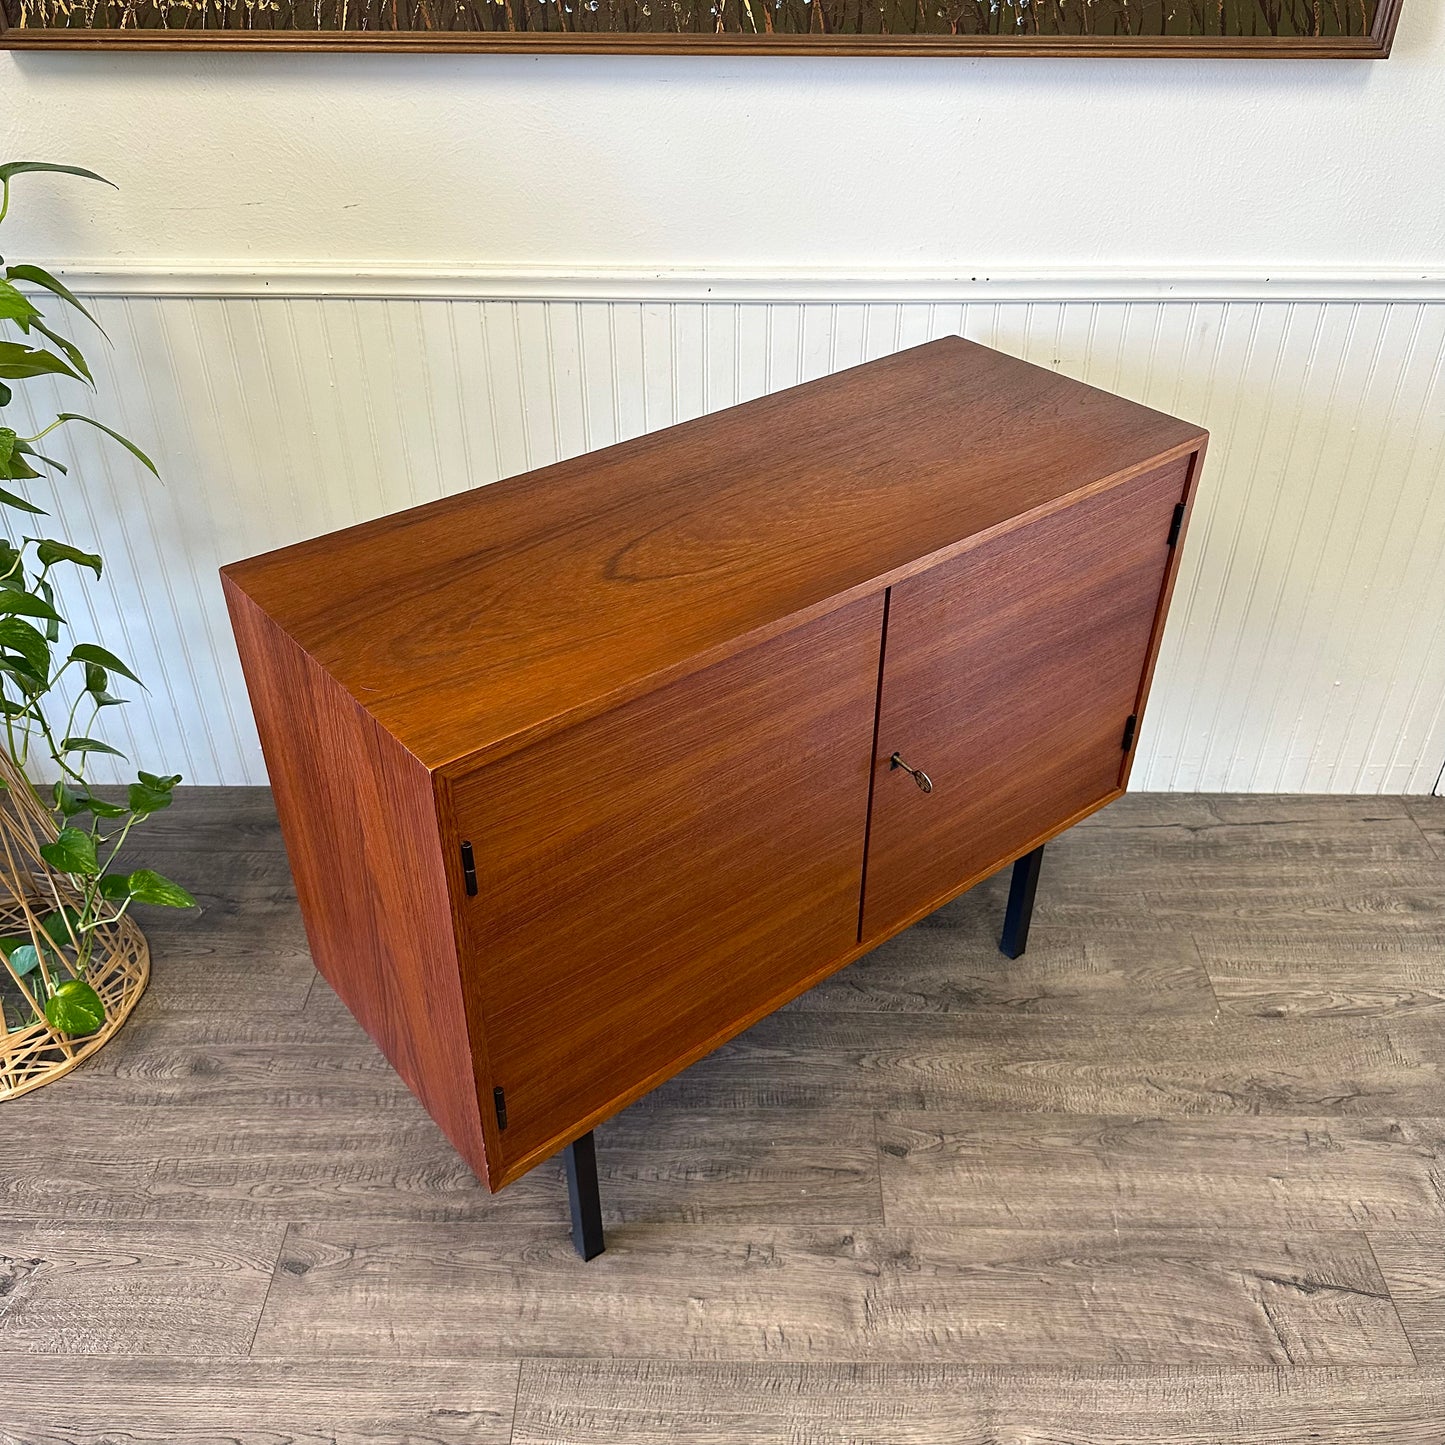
(53, 692)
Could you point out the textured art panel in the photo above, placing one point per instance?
(1187, 27)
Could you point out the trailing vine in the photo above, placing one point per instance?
(53, 694)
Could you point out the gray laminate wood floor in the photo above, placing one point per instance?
(1175, 1176)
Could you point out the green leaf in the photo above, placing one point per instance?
(144, 801)
(115, 887)
(15, 306)
(75, 1008)
(17, 361)
(102, 809)
(14, 603)
(18, 469)
(68, 348)
(7, 445)
(9, 499)
(71, 801)
(23, 958)
(147, 886)
(21, 637)
(58, 927)
(89, 745)
(17, 168)
(52, 627)
(93, 652)
(21, 953)
(30, 683)
(25, 449)
(73, 851)
(129, 445)
(163, 785)
(68, 801)
(37, 277)
(52, 552)
(96, 683)
(6, 395)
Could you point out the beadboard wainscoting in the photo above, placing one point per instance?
(1306, 649)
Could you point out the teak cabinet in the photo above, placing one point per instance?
(583, 772)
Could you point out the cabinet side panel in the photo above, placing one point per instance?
(358, 816)
(1166, 593)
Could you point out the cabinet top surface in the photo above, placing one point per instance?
(471, 623)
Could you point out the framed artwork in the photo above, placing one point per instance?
(1344, 29)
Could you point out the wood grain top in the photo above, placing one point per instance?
(469, 625)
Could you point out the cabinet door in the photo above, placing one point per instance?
(652, 880)
(1009, 674)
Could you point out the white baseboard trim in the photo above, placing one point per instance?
(664, 284)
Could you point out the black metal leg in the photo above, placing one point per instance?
(1021, 903)
(582, 1195)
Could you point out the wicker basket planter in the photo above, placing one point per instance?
(34, 1053)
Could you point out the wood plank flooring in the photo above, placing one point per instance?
(1174, 1176)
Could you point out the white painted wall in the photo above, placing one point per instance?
(1306, 646)
(950, 164)
(1259, 246)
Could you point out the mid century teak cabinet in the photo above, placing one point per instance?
(583, 772)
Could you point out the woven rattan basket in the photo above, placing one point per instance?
(36, 1053)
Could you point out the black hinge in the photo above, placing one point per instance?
(1177, 523)
(1129, 731)
(499, 1098)
(469, 870)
